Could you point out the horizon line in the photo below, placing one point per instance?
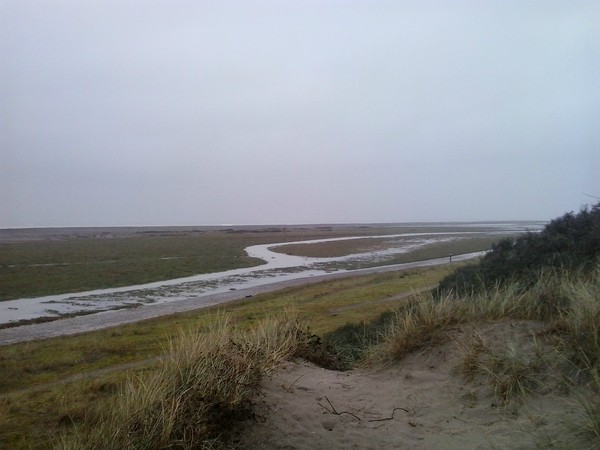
(279, 224)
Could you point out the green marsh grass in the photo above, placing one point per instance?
(74, 263)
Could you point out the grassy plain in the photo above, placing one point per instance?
(466, 244)
(45, 262)
(78, 264)
(48, 385)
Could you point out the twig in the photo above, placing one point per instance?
(289, 388)
(333, 410)
(390, 418)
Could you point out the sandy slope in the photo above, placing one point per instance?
(420, 403)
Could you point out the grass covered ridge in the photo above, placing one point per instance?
(566, 303)
(202, 385)
(513, 346)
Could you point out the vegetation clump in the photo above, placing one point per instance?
(350, 343)
(203, 384)
(550, 282)
(570, 242)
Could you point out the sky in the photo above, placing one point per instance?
(122, 112)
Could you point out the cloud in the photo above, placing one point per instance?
(209, 112)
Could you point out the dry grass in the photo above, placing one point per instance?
(512, 372)
(204, 383)
(559, 355)
(567, 304)
(419, 324)
(579, 328)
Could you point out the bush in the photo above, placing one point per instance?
(570, 242)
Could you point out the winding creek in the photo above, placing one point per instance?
(107, 307)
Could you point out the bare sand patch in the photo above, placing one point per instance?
(420, 403)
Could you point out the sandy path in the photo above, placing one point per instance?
(82, 324)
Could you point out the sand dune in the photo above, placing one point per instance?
(419, 403)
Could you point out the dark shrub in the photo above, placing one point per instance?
(569, 242)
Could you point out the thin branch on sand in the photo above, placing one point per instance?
(334, 411)
(391, 417)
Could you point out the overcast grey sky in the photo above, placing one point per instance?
(208, 112)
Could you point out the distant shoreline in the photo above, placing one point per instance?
(49, 232)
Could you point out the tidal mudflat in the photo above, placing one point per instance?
(274, 261)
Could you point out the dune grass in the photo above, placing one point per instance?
(566, 304)
(512, 372)
(558, 356)
(590, 417)
(203, 383)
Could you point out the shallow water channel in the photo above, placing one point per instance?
(278, 267)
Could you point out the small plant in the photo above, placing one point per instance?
(419, 324)
(512, 373)
(469, 367)
(514, 377)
